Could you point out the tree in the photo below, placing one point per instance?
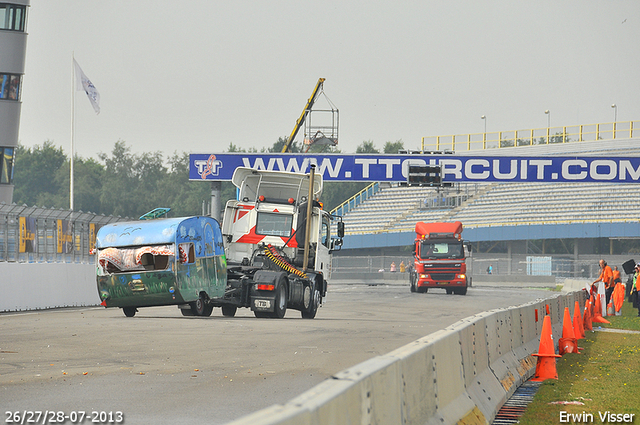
(367, 146)
(119, 185)
(34, 176)
(393, 147)
(87, 186)
(335, 193)
(132, 183)
(277, 146)
(234, 148)
(185, 197)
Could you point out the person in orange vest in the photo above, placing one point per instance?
(615, 278)
(617, 297)
(635, 290)
(606, 277)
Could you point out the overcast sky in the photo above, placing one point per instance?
(196, 76)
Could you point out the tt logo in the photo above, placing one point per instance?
(211, 166)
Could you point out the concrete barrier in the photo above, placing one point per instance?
(37, 286)
(461, 374)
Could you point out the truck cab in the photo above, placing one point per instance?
(439, 258)
(266, 228)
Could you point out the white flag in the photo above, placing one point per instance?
(83, 83)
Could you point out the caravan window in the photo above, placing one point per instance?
(134, 259)
(187, 253)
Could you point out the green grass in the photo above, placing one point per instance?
(605, 376)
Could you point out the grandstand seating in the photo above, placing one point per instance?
(397, 208)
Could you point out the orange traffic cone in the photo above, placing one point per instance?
(568, 343)
(587, 316)
(597, 313)
(578, 330)
(546, 363)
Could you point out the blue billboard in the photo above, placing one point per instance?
(395, 168)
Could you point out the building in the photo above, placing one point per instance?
(13, 46)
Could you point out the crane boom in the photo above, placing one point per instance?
(305, 111)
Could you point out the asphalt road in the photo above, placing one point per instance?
(160, 367)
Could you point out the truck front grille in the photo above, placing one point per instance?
(443, 276)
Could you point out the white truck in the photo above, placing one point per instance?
(272, 237)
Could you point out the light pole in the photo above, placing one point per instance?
(548, 123)
(615, 118)
(484, 136)
(548, 118)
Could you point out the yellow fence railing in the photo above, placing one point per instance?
(538, 136)
(356, 199)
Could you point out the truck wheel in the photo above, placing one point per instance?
(422, 289)
(262, 314)
(461, 291)
(412, 282)
(129, 311)
(312, 300)
(229, 310)
(280, 307)
(187, 312)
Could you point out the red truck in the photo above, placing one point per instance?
(439, 258)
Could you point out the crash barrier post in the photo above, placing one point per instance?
(461, 374)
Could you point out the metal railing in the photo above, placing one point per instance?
(531, 137)
(48, 235)
(502, 264)
(356, 199)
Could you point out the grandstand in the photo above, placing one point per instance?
(396, 208)
(513, 214)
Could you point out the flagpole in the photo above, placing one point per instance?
(73, 128)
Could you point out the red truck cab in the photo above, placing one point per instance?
(439, 258)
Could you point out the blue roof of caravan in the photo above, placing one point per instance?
(151, 232)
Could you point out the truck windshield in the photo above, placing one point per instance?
(273, 224)
(441, 249)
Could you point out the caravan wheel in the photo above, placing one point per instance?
(201, 308)
(129, 311)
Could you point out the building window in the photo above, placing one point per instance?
(10, 86)
(6, 165)
(12, 17)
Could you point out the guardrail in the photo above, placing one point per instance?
(462, 374)
(537, 136)
(472, 225)
(48, 235)
(356, 199)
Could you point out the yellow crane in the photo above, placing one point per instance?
(303, 116)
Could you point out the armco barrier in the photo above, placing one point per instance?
(461, 374)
